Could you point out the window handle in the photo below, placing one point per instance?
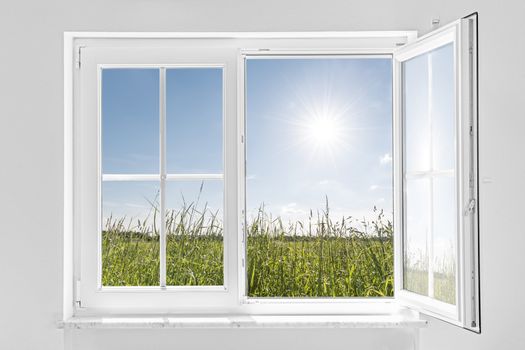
(471, 207)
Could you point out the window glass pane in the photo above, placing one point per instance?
(318, 163)
(130, 120)
(194, 227)
(444, 239)
(443, 107)
(417, 204)
(194, 120)
(416, 113)
(430, 208)
(130, 234)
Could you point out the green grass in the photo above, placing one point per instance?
(317, 258)
(320, 257)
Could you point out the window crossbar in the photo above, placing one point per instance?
(429, 173)
(157, 177)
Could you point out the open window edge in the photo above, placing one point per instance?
(466, 312)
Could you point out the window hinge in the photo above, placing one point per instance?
(78, 301)
(78, 61)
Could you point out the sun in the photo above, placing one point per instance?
(323, 132)
(322, 125)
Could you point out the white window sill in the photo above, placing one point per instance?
(244, 321)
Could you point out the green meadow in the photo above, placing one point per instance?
(316, 257)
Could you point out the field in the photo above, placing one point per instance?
(315, 258)
(320, 257)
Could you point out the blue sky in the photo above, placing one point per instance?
(130, 136)
(315, 128)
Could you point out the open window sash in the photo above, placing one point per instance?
(435, 174)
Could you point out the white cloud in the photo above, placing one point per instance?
(374, 187)
(251, 177)
(133, 205)
(386, 159)
(290, 208)
(324, 182)
(290, 211)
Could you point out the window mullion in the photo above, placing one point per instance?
(162, 237)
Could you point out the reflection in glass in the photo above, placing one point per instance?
(444, 239)
(130, 234)
(194, 228)
(430, 236)
(416, 110)
(416, 233)
(443, 104)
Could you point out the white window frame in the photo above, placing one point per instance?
(81, 293)
(88, 162)
(163, 177)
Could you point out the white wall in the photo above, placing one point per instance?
(31, 148)
(242, 339)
